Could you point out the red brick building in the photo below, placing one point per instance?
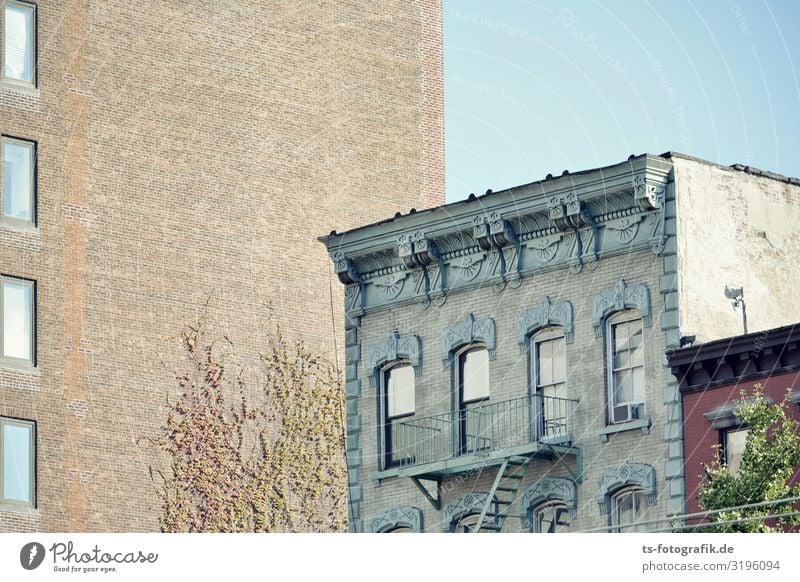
(712, 376)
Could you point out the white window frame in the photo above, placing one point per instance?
(551, 410)
(15, 503)
(387, 447)
(726, 447)
(613, 521)
(12, 220)
(462, 415)
(33, 83)
(612, 321)
(554, 504)
(9, 360)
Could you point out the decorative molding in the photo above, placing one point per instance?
(465, 332)
(625, 228)
(619, 298)
(495, 234)
(458, 508)
(548, 489)
(395, 347)
(468, 266)
(543, 315)
(422, 255)
(611, 480)
(344, 268)
(647, 196)
(545, 248)
(410, 517)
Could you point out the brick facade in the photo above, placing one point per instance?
(189, 151)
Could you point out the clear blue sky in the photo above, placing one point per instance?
(533, 88)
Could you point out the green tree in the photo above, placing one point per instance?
(772, 451)
(261, 450)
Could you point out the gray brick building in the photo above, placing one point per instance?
(505, 354)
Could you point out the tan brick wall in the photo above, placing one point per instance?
(187, 151)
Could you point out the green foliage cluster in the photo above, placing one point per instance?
(255, 452)
(772, 451)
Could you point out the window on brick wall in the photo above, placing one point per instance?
(17, 321)
(549, 377)
(733, 444)
(551, 517)
(17, 462)
(472, 378)
(398, 398)
(629, 509)
(19, 181)
(18, 52)
(626, 378)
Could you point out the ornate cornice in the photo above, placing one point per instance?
(611, 480)
(619, 298)
(458, 508)
(544, 314)
(410, 517)
(465, 332)
(395, 347)
(570, 222)
(548, 489)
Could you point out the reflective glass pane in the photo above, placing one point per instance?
(635, 333)
(400, 391)
(734, 449)
(559, 360)
(545, 362)
(17, 179)
(18, 42)
(621, 359)
(17, 462)
(17, 320)
(620, 337)
(630, 507)
(552, 519)
(637, 384)
(475, 375)
(623, 386)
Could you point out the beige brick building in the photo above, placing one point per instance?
(185, 150)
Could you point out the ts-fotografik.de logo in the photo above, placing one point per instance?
(31, 555)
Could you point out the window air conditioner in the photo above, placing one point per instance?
(626, 411)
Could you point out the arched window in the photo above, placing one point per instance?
(551, 517)
(549, 381)
(398, 406)
(472, 375)
(629, 508)
(625, 366)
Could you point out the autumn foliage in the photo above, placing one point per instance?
(252, 450)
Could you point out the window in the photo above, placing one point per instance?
(17, 462)
(467, 523)
(19, 180)
(17, 308)
(473, 391)
(629, 507)
(733, 444)
(18, 53)
(625, 368)
(549, 375)
(398, 384)
(551, 517)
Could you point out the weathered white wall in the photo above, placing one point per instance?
(735, 228)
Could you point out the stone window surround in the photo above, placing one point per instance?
(627, 474)
(396, 517)
(545, 490)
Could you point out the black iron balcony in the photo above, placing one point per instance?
(483, 430)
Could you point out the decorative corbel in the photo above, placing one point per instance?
(651, 197)
(420, 253)
(353, 291)
(568, 215)
(495, 234)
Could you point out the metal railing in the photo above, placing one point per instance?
(481, 428)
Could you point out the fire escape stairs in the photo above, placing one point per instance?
(502, 494)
